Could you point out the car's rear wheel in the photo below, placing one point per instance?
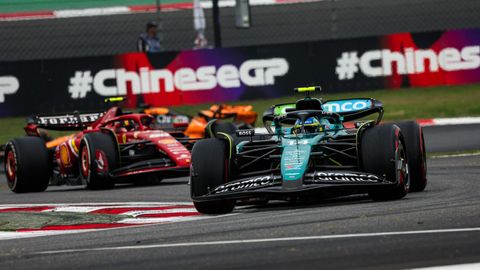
(98, 156)
(209, 170)
(417, 159)
(27, 165)
(383, 153)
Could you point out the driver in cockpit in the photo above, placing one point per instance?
(311, 125)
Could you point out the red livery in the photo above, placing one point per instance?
(109, 147)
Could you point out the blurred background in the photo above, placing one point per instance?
(59, 56)
(76, 34)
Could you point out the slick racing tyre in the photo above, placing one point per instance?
(98, 156)
(382, 152)
(225, 127)
(27, 165)
(417, 160)
(209, 170)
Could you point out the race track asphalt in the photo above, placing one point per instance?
(441, 139)
(450, 203)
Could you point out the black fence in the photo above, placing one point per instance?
(272, 24)
(241, 73)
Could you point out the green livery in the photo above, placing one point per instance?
(314, 149)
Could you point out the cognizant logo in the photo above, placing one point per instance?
(112, 82)
(380, 63)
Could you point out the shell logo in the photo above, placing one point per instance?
(65, 156)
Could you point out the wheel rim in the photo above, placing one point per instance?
(402, 167)
(424, 160)
(11, 167)
(85, 162)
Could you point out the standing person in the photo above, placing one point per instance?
(148, 41)
(199, 25)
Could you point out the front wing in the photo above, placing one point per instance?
(322, 184)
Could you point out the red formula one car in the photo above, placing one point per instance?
(110, 147)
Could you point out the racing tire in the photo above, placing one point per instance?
(382, 152)
(417, 159)
(27, 165)
(94, 168)
(209, 170)
(225, 127)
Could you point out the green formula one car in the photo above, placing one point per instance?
(313, 150)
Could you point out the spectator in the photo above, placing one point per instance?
(200, 42)
(148, 41)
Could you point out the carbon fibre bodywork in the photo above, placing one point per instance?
(290, 163)
(141, 149)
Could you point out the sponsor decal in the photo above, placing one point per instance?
(248, 184)
(67, 119)
(169, 119)
(282, 109)
(65, 156)
(383, 63)
(9, 85)
(245, 132)
(346, 177)
(347, 105)
(257, 72)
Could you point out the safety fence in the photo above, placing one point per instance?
(242, 73)
(99, 28)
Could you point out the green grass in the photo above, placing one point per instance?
(40, 5)
(13, 221)
(401, 104)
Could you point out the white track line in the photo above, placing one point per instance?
(71, 13)
(456, 121)
(467, 266)
(456, 155)
(263, 240)
(108, 204)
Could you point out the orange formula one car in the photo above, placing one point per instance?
(234, 116)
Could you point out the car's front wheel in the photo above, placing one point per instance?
(209, 170)
(98, 156)
(383, 153)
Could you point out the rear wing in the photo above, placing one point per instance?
(354, 108)
(74, 121)
(349, 109)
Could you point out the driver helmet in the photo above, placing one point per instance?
(311, 125)
(127, 124)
